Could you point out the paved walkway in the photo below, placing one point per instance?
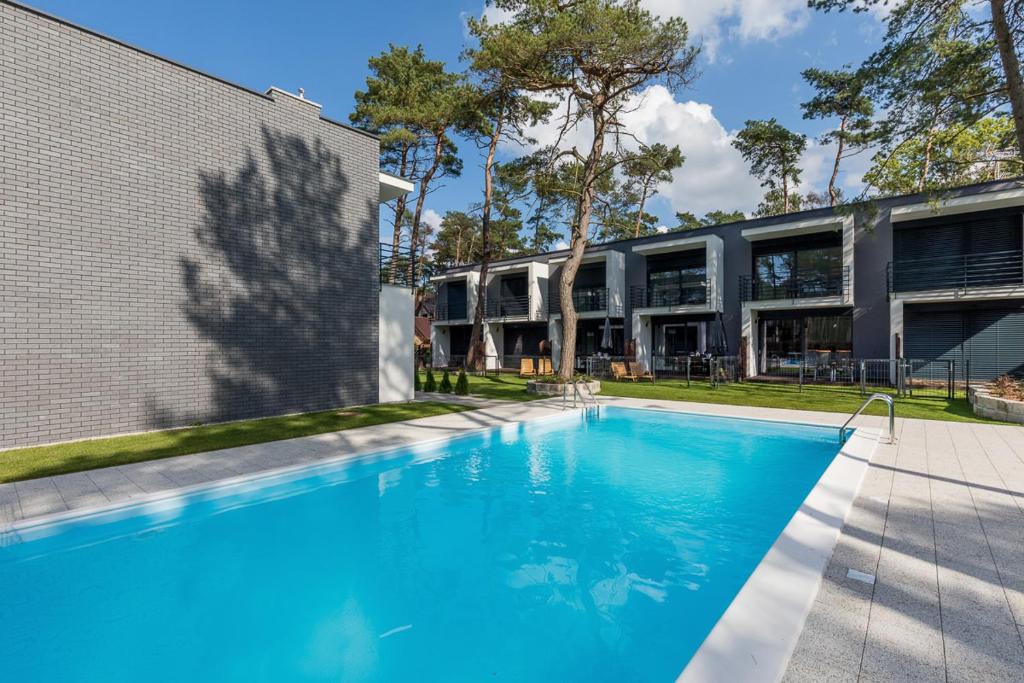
(938, 525)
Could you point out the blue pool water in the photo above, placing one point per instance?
(567, 549)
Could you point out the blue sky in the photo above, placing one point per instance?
(754, 52)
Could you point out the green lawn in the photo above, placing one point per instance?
(506, 387)
(828, 399)
(43, 461)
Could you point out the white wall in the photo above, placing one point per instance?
(396, 339)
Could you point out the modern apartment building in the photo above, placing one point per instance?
(935, 278)
(176, 248)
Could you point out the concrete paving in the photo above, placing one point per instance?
(938, 523)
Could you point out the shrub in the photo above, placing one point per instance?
(1007, 387)
(446, 383)
(431, 383)
(462, 384)
(417, 383)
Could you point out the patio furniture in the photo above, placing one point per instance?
(545, 367)
(638, 372)
(526, 368)
(619, 372)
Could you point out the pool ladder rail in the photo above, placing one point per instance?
(578, 394)
(885, 398)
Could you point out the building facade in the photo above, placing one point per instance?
(935, 278)
(174, 248)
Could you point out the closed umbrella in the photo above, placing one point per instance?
(606, 338)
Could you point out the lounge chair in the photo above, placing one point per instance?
(639, 373)
(619, 372)
(526, 368)
(545, 367)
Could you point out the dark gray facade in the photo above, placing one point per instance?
(173, 248)
(873, 307)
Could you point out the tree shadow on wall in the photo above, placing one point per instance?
(282, 286)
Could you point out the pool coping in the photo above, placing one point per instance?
(756, 635)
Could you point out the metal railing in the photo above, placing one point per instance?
(584, 299)
(581, 395)
(509, 306)
(902, 377)
(804, 285)
(887, 399)
(451, 310)
(969, 271)
(715, 369)
(458, 362)
(394, 265)
(654, 296)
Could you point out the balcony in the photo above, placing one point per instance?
(806, 285)
(451, 310)
(503, 307)
(967, 272)
(584, 300)
(668, 296)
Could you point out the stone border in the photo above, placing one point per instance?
(556, 389)
(984, 404)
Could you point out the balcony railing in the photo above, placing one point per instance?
(584, 299)
(970, 271)
(655, 296)
(806, 285)
(394, 265)
(451, 310)
(509, 306)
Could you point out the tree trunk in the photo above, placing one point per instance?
(926, 164)
(424, 183)
(1011, 68)
(578, 243)
(477, 358)
(640, 212)
(785, 191)
(833, 196)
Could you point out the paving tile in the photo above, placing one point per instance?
(39, 497)
(114, 484)
(10, 509)
(976, 650)
(79, 491)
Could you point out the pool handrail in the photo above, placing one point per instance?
(885, 398)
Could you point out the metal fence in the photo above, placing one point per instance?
(904, 377)
(714, 369)
(458, 362)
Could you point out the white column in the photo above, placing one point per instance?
(440, 345)
(748, 329)
(396, 333)
(642, 336)
(494, 343)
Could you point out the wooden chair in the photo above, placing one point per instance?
(638, 373)
(620, 373)
(526, 368)
(545, 367)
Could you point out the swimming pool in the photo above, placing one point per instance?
(569, 548)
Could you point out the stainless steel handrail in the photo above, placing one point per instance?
(887, 399)
(577, 393)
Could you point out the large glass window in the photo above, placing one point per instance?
(677, 280)
(788, 270)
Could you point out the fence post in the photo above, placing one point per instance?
(951, 380)
(687, 371)
(801, 375)
(863, 367)
(899, 378)
(967, 378)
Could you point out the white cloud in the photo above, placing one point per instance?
(713, 21)
(561, 245)
(661, 229)
(431, 218)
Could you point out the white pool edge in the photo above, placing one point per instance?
(755, 637)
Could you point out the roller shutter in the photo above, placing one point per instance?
(992, 340)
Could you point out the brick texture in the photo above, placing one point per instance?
(173, 249)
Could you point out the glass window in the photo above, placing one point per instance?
(773, 274)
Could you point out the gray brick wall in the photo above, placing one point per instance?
(173, 249)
